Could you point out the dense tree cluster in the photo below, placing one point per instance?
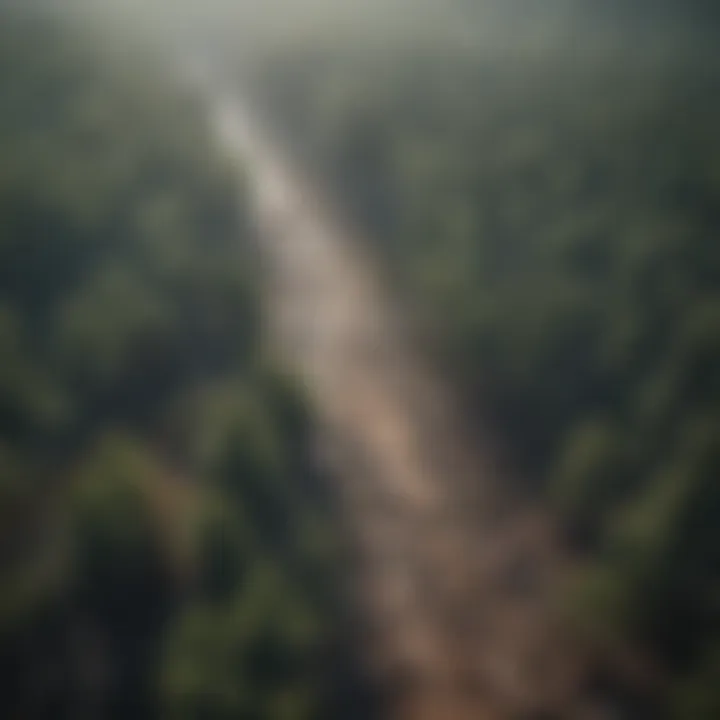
(556, 218)
(163, 531)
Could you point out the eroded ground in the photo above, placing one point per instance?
(458, 587)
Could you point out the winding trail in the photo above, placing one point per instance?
(456, 579)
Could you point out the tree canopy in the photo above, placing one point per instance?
(165, 538)
(553, 217)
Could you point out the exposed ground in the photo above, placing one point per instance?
(457, 581)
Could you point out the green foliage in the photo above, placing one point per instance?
(163, 536)
(591, 476)
(118, 553)
(697, 696)
(554, 218)
(247, 657)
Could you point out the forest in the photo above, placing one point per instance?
(166, 542)
(552, 215)
(541, 191)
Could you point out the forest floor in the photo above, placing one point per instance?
(457, 579)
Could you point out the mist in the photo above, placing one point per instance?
(359, 359)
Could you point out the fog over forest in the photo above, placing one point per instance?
(359, 360)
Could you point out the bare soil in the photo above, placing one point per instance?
(457, 579)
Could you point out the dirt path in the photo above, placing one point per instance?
(457, 587)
